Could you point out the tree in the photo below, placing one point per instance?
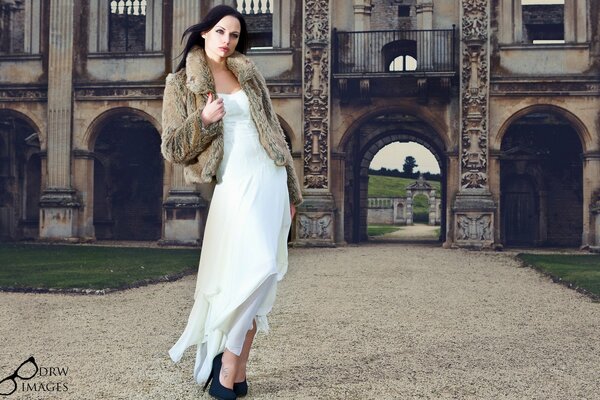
(409, 165)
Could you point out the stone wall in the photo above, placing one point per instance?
(385, 15)
(381, 216)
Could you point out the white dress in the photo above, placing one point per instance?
(244, 251)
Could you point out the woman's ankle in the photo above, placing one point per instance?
(229, 366)
(240, 375)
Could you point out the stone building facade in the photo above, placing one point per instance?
(505, 94)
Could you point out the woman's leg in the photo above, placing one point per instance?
(245, 354)
(234, 367)
(230, 364)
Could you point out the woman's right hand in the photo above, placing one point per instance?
(213, 111)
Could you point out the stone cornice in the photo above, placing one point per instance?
(14, 93)
(154, 91)
(547, 85)
(121, 91)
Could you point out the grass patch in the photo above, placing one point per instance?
(391, 186)
(88, 267)
(378, 230)
(578, 271)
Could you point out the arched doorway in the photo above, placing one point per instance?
(128, 176)
(360, 149)
(20, 177)
(541, 181)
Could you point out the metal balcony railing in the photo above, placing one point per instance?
(375, 53)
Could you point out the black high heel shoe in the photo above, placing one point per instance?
(240, 388)
(217, 390)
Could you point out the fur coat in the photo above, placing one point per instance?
(184, 139)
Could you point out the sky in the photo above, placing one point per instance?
(392, 157)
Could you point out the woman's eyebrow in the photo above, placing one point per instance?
(219, 26)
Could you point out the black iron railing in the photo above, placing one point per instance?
(394, 52)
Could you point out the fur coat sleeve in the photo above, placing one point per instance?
(184, 137)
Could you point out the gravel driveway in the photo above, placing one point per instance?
(376, 321)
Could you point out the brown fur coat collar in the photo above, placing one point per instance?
(199, 77)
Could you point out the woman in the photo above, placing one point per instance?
(219, 122)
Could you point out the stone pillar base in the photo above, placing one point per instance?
(183, 219)
(58, 215)
(473, 220)
(315, 221)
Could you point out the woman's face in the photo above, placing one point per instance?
(221, 40)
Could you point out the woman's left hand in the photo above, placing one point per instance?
(292, 210)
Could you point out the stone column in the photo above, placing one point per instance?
(591, 200)
(59, 203)
(506, 16)
(362, 15)
(432, 208)
(575, 19)
(83, 180)
(362, 22)
(517, 22)
(424, 11)
(315, 222)
(474, 208)
(409, 208)
(184, 209)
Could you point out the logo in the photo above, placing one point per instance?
(28, 370)
(8, 385)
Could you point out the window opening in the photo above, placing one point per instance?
(12, 26)
(400, 55)
(259, 19)
(403, 63)
(127, 26)
(404, 11)
(543, 21)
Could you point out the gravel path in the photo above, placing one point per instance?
(377, 321)
(417, 231)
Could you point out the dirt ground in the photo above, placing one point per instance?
(375, 321)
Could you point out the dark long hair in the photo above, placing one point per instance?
(210, 20)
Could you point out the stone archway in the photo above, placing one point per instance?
(423, 188)
(371, 136)
(541, 181)
(128, 177)
(20, 177)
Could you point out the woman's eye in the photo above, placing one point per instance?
(235, 35)
(219, 31)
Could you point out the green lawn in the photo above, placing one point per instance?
(89, 267)
(378, 230)
(391, 186)
(582, 271)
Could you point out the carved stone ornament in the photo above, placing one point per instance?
(475, 93)
(473, 227)
(23, 94)
(119, 93)
(315, 226)
(285, 89)
(316, 93)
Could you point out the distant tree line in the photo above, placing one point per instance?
(402, 174)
